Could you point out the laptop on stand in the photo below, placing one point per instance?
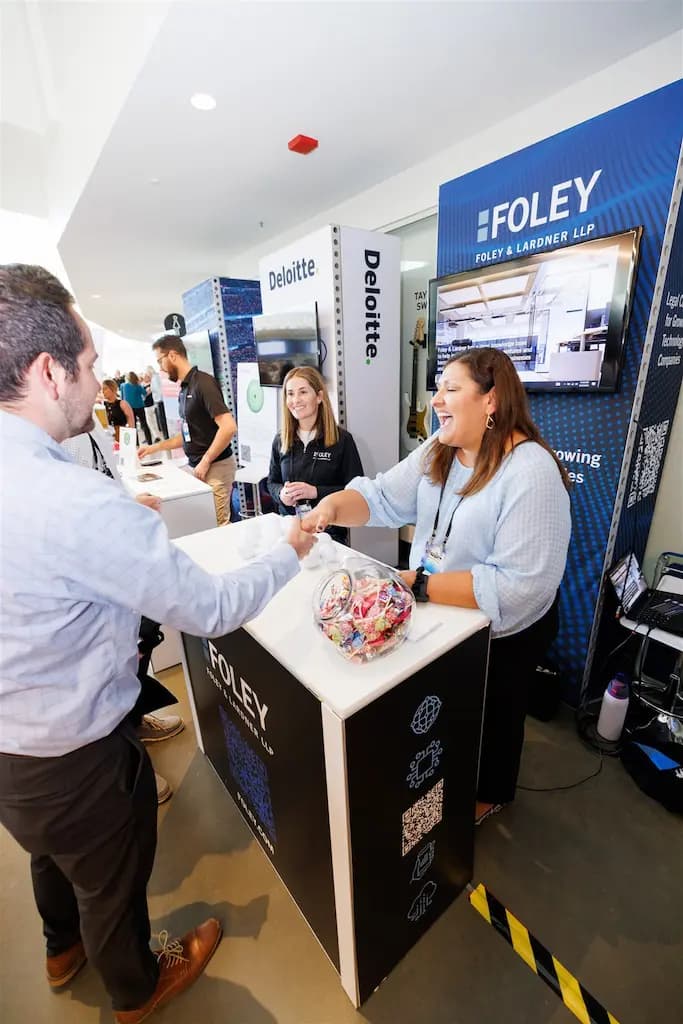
(656, 609)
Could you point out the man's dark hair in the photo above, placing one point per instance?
(35, 316)
(170, 343)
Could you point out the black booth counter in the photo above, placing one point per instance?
(357, 780)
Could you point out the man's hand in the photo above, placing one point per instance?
(322, 516)
(300, 541)
(201, 469)
(149, 501)
(147, 449)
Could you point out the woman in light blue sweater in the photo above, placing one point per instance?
(490, 505)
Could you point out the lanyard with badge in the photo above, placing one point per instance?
(303, 506)
(184, 427)
(435, 551)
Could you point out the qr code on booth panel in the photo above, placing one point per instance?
(648, 461)
(421, 818)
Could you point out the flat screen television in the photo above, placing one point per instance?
(285, 341)
(561, 315)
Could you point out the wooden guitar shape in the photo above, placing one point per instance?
(416, 426)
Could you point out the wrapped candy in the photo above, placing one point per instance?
(364, 609)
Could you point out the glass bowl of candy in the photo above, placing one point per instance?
(364, 608)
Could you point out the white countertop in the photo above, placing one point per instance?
(286, 627)
(172, 483)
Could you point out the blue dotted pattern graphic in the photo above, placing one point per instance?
(637, 147)
(250, 774)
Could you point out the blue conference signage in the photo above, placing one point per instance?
(232, 302)
(614, 172)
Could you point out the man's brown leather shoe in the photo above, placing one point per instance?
(63, 967)
(181, 961)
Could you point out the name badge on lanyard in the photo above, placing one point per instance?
(184, 426)
(433, 556)
(435, 550)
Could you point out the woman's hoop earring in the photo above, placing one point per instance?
(490, 422)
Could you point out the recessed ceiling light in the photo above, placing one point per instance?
(155, 181)
(202, 101)
(95, 295)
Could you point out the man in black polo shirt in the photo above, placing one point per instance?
(207, 427)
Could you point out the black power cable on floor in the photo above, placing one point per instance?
(585, 725)
(571, 785)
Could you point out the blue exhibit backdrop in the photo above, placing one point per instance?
(224, 306)
(617, 171)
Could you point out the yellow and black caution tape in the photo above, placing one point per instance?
(582, 1004)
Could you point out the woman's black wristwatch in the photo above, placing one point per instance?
(419, 587)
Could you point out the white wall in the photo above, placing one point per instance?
(119, 353)
(414, 193)
(25, 239)
(114, 40)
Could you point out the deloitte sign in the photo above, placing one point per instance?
(298, 270)
(372, 299)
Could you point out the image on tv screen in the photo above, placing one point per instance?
(561, 315)
(285, 341)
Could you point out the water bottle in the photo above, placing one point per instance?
(613, 708)
(302, 507)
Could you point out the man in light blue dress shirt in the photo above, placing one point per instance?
(76, 785)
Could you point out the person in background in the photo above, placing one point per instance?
(150, 406)
(76, 785)
(207, 425)
(490, 504)
(133, 392)
(312, 456)
(119, 412)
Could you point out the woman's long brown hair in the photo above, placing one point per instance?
(490, 368)
(325, 425)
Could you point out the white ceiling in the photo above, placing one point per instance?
(382, 85)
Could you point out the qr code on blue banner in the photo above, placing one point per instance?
(421, 818)
(648, 462)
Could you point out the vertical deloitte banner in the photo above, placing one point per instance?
(371, 312)
(353, 276)
(615, 172)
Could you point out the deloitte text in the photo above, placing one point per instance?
(372, 300)
(298, 270)
(522, 212)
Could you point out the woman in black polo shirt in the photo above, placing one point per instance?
(312, 456)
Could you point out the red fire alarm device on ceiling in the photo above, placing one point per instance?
(303, 144)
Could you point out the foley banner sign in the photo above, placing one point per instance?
(612, 173)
